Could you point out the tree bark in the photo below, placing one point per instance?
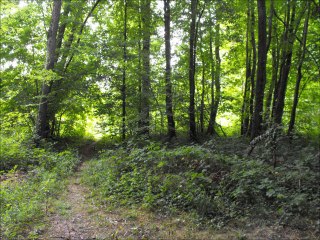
(302, 52)
(42, 127)
(288, 40)
(123, 87)
(217, 93)
(145, 88)
(217, 74)
(261, 72)
(167, 36)
(254, 66)
(202, 96)
(274, 77)
(192, 56)
(210, 129)
(245, 114)
(62, 27)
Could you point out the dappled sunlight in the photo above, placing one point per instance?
(93, 128)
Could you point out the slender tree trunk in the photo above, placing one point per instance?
(42, 126)
(202, 96)
(254, 65)
(217, 94)
(245, 114)
(140, 70)
(145, 88)
(273, 42)
(123, 87)
(270, 25)
(169, 108)
(217, 72)
(210, 129)
(288, 41)
(274, 77)
(261, 72)
(192, 56)
(302, 52)
(81, 30)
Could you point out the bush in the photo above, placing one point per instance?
(24, 197)
(159, 178)
(195, 178)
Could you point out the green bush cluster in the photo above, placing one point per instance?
(214, 185)
(24, 197)
(14, 151)
(160, 178)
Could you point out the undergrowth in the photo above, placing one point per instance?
(218, 187)
(25, 196)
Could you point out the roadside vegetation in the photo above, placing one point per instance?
(35, 178)
(215, 181)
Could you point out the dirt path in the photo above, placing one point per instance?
(75, 215)
(71, 217)
(74, 221)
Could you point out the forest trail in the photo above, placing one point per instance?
(74, 216)
(73, 220)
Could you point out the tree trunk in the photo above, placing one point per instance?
(81, 30)
(288, 40)
(273, 42)
(123, 87)
(245, 114)
(202, 96)
(167, 36)
(210, 129)
(192, 57)
(62, 27)
(254, 66)
(42, 127)
(302, 52)
(217, 73)
(261, 72)
(145, 88)
(217, 93)
(274, 77)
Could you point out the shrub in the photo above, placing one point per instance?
(195, 178)
(24, 197)
(159, 178)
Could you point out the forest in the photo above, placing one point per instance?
(160, 119)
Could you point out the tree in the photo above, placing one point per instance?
(145, 55)
(275, 51)
(302, 53)
(215, 73)
(124, 86)
(254, 66)
(42, 127)
(261, 71)
(169, 110)
(245, 114)
(192, 60)
(286, 57)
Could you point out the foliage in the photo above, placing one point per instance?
(220, 187)
(89, 88)
(25, 197)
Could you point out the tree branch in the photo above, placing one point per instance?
(81, 30)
